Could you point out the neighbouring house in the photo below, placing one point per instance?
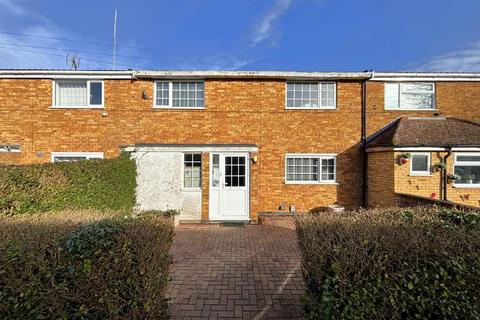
(436, 157)
(228, 145)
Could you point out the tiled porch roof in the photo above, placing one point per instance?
(427, 132)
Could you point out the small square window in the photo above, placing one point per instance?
(420, 164)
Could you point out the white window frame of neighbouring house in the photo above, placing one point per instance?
(396, 93)
(75, 156)
(306, 164)
(459, 162)
(427, 171)
(82, 92)
(179, 94)
(308, 95)
(187, 166)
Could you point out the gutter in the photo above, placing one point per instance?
(444, 174)
(364, 142)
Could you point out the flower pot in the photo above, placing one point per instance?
(403, 160)
(336, 208)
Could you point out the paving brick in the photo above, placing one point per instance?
(259, 268)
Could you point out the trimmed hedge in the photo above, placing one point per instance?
(96, 184)
(114, 268)
(421, 263)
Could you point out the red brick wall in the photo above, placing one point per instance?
(236, 112)
(381, 183)
(458, 99)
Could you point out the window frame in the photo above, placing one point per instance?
(170, 95)
(319, 97)
(88, 105)
(399, 106)
(466, 163)
(318, 156)
(183, 172)
(10, 148)
(87, 155)
(425, 173)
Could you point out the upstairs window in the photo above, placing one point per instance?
(179, 94)
(311, 95)
(410, 96)
(78, 94)
(467, 166)
(310, 169)
(420, 164)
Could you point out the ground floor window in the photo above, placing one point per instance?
(75, 156)
(420, 164)
(192, 170)
(467, 167)
(301, 168)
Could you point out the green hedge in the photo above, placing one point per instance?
(114, 268)
(97, 184)
(421, 263)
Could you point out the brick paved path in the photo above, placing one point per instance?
(250, 272)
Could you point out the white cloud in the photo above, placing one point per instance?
(463, 60)
(264, 29)
(50, 48)
(13, 7)
(226, 62)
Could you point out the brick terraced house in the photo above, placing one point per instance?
(228, 145)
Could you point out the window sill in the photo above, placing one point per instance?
(192, 189)
(421, 175)
(401, 109)
(178, 108)
(313, 109)
(78, 107)
(466, 186)
(310, 183)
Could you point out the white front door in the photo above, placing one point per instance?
(229, 180)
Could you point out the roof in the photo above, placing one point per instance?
(427, 132)
(202, 74)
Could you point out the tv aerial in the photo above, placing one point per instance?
(73, 61)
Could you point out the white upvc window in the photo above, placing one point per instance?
(310, 168)
(311, 95)
(9, 148)
(78, 94)
(192, 170)
(75, 156)
(467, 167)
(409, 96)
(179, 94)
(420, 164)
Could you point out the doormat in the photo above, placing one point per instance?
(233, 224)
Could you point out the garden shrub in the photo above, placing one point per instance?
(113, 268)
(96, 184)
(416, 263)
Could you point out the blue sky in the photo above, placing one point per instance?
(301, 35)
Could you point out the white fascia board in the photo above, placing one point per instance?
(65, 74)
(424, 76)
(251, 74)
(188, 148)
(459, 149)
(433, 149)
